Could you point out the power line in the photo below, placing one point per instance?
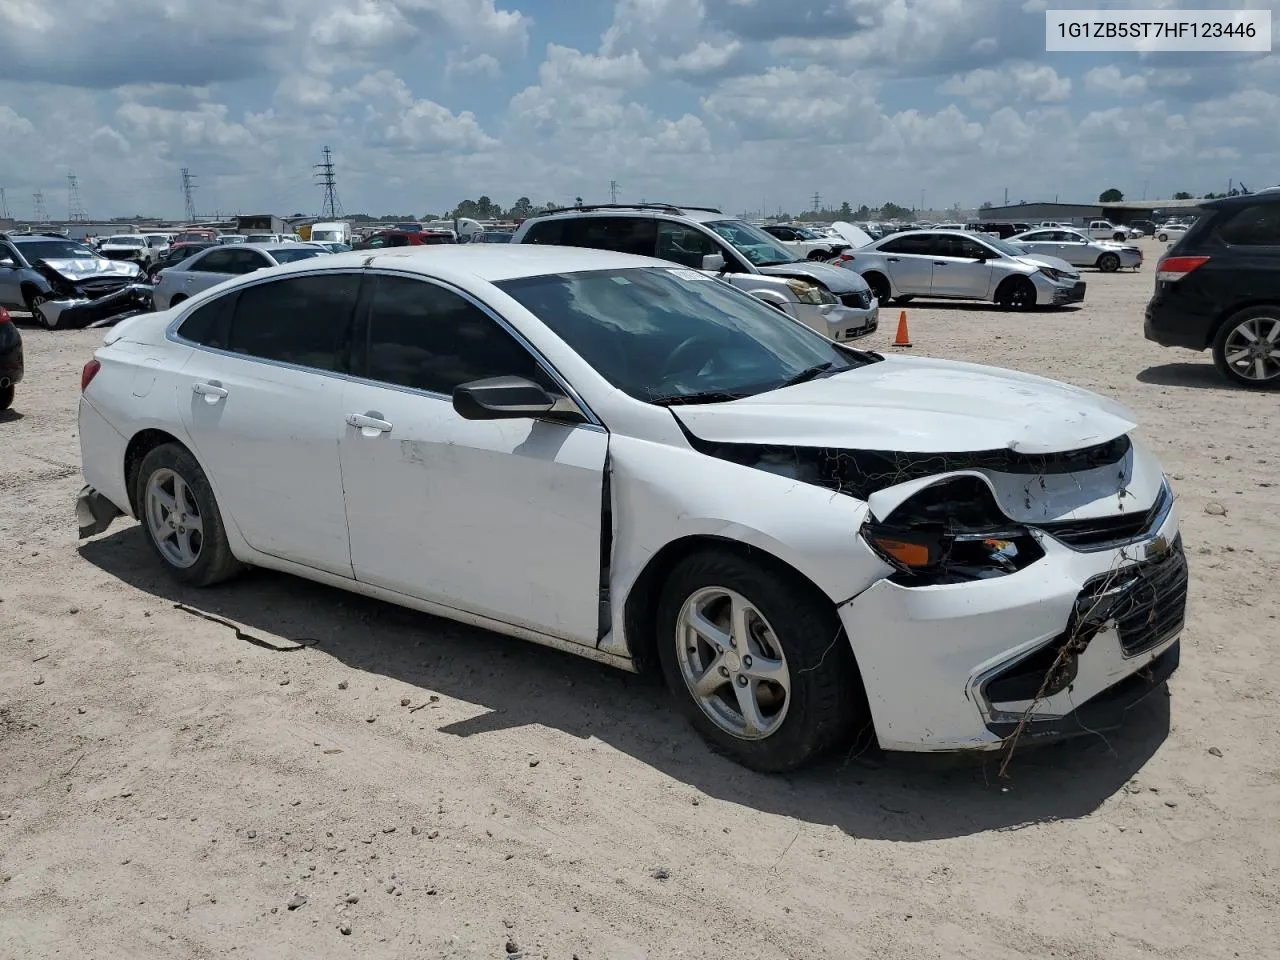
(817, 201)
(188, 194)
(331, 207)
(75, 206)
(41, 212)
(613, 191)
(4, 206)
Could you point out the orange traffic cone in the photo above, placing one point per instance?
(903, 339)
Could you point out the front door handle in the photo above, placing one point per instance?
(939, 263)
(211, 391)
(369, 424)
(893, 259)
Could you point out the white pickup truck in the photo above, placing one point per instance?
(1106, 230)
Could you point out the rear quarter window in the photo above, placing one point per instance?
(549, 231)
(1256, 226)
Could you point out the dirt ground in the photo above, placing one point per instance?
(167, 787)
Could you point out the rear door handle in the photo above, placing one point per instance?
(939, 263)
(893, 259)
(369, 424)
(212, 391)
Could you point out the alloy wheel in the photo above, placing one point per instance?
(34, 305)
(733, 664)
(173, 517)
(1252, 349)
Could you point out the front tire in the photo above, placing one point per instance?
(1163, 238)
(1016, 293)
(1247, 348)
(180, 517)
(34, 302)
(757, 661)
(1109, 263)
(6, 396)
(880, 288)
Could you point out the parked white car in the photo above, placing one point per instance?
(804, 243)
(633, 461)
(1169, 232)
(1077, 249)
(962, 265)
(131, 247)
(1106, 230)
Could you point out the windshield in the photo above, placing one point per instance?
(54, 250)
(126, 241)
(295, 253)
(671, 335)
(753, 243)
(326, 235)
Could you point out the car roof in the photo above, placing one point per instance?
(1268, 195)
(37, 237)
(655, 210)
(488, 262)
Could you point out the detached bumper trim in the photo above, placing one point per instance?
(94, 512)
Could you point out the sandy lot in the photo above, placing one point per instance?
(166, 787)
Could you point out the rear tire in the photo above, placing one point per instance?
(1109, 263)
(177, 299)
(880, 288)
(790, 631)
(180, 517)
(1163, 238)
(1233, 339)
(1016, 293)
(6, 396)
(904, 300)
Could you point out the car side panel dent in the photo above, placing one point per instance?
(811, 529)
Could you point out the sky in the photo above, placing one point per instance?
(748, 105)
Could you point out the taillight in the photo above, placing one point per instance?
(843, 258)
(4, 315)
(1171, 269)
(88, 373)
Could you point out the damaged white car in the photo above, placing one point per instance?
(641, 464)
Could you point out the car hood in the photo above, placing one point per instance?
(1044, 260)
(84, 268)
(855, 236)
(836, 279)
(917, 405)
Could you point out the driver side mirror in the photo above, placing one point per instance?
(713, 261)
(511, 398)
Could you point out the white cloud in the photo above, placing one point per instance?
(1111, 81)
(1009, 84)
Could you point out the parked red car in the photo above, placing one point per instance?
(403, 238)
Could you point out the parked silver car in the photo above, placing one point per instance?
(210, 267)
(1077, 249)
(955, 265)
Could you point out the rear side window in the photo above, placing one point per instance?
(921, 244)
(548, 231)
(1257, 226)
(216, 261)
(423, 336)
(300, 320)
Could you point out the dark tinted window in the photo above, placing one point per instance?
(548, 231)
(961, 247)
(921, 244)
(302, 320)
(1253, 226)
(681, 244)
(210, 323)
(216, 261)
(293, 255)
(423, 336)
(636, 235)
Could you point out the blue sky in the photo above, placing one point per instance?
(742, 103)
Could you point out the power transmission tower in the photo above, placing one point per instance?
(4, 206)
(42, 213)
(188, 194)
(331, 207)
(817, 201)
(75, 206)
(613, 191)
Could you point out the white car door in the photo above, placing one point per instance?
(1074, 248)
(909, 260)
(500, 518)
(963, 269)
(262, 403)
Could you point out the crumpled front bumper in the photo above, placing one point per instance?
(954, 667)
(94, 512)
(77, 312)
(839, 322)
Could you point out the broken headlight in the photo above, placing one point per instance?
(814, 293)
(951, 532)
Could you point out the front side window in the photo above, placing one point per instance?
(671, 335)
(753, 243)
(424, 336)
(685, 245)
(299, 320)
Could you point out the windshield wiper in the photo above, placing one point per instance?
(709, 396)
(812, 373)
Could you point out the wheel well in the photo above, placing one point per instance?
(878, 278)
(1221, 319)
(1104, 254)
(142, 443)
(29, 290)
(1011, 280)
(177, 298)
(640, 613)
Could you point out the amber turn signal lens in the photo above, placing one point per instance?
(906, 553)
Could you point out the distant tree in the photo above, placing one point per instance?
(1110, 195)
(986, 205)
(862, 213)
(1182, 195)
(892, 211)
(521, 209)
(846, 211)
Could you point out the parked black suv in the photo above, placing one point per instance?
(1219, 287)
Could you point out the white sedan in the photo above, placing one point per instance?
(1079, 250)
(641, 464)
(1171, 231)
